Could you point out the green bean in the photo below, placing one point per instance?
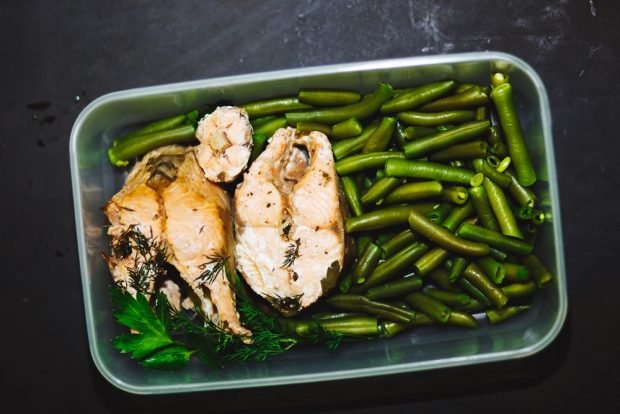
(472, 306)
(430, 261)
(344, 284)
(379, 174)
(444, 127)
(481, 204)
(498, 255)
(477, 180)
(346, 129)
(383, 218)
(395, 289)
(429, 170)
(493, 161)
(492, 268)
(314, 126)
(356, 325)
(350, 146)
(417, 96)
(270, 127)
(476, 277)
(435, 118)
(498, 79)
(441, 278)
(465, 86)
(273, 106)
(421, 319)
(385, 236)
(482, 166)
(400, 135)
(416, 132)
(495, 136)
(327, 97)
(360, 303)
(462, 319)
(537, 269)
(538, 217)
(395, 265)
(165, 124)
(389, 329)
(516, 272)
(494, 239)
(259, 142)
(460, 152)
(457, 216)
(380, 189)
(414, 191)
(367, 263)
(397, 243)
(502, 210)
(445, 238)
(332, 315)
(429, 306)
(469, 98)
(123, 151)
(447, 298)
(503, 165)
(361, 242)
(482, 112)
(360, 110)
(367, 183)
(522, 195)
(456, 195)
(496, 316)
(361, 162)
(439, 213)
(351, 193)
(457, 268)
(499, 149)
(519, 290)
(381, 138)
(474, 291)
(256, 122)
(421, 147)
(509, 120)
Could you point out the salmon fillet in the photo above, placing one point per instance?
(289, 221)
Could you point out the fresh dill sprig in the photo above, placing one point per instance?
(291, 303)
(317, 334)
(166, 338)
(212, 267)
(291, 254)
(149, 257)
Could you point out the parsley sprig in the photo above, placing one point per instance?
(164, 338)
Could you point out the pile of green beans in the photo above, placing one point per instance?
(440, 192)
(438, 184)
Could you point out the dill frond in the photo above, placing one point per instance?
(212, 267)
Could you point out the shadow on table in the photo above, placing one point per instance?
(358, 393)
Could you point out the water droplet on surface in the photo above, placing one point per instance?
(77, 98)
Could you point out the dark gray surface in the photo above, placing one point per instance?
(54, 52)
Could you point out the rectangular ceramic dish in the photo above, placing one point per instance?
(95, 181)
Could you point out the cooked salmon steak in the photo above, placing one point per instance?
(182, 218)
(225, 137)
(289, 221)
(137, 221)
(199, 234)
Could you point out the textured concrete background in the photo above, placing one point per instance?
(69, 53)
